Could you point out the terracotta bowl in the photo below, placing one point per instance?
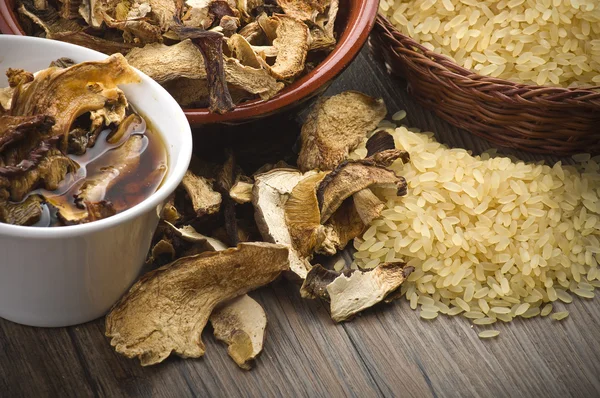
(353, 25)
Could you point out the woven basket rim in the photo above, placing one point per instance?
(442, 62)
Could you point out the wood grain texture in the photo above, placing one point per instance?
(387, 351)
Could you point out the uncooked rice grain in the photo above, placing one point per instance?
(475, 257)
(488, 334)
(558, 316)
(533, 41)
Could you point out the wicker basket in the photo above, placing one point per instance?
(547, 120)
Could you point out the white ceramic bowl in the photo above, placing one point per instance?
(68, 275)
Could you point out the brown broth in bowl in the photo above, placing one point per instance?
(132, 187)
(113, 187)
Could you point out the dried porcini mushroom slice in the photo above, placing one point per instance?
(368, 205)
(189, 234)
(255, 81)
(315, 284)
(268, 25)
(241, 192)
(162, 248)
(70, 92)
(302, 216)
(181, 67)
(16, 128)
(322, 34)
(247, 6)
(292, 47)
(6, 94)
(18, 76)
(242, 50)
(170, 212)
(352, 294)
(302, 9)
(137, 31)
(270, 192)
(351, 177)
(47, 174)
(336, 126)
(354, 291)
(167, 309)
(228, 25)
(253, 33)
(205, 200)
(69, 9)
(240, 323)
(380, 141)
(165, 63)
(211, 47)
(344, 225)
(69, 30)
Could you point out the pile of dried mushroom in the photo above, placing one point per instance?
(315, 209)
(212, 53)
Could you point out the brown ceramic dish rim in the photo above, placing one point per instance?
(361, 19)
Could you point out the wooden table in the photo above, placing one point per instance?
(388, 351)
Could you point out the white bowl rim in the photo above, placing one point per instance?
(168, 186)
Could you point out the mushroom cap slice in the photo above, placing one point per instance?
(322, 34)
(315, 284)
(368, 206)
(292, 47)
(303, 10)
(351, 177)
(336, 126)
(270, 192)
(241, 324)
(167, 309)
(183, 61)
(352, 294)
(205, 200)
(302, 216)
(189, 234)
(66, 93)
(241, 192)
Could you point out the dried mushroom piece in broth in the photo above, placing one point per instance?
(241, 324)
(118, 163)
(68, 93)
(271, 191)
(27, 212)
(336, 126)
(167, 309)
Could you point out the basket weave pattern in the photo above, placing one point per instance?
(546, 120)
